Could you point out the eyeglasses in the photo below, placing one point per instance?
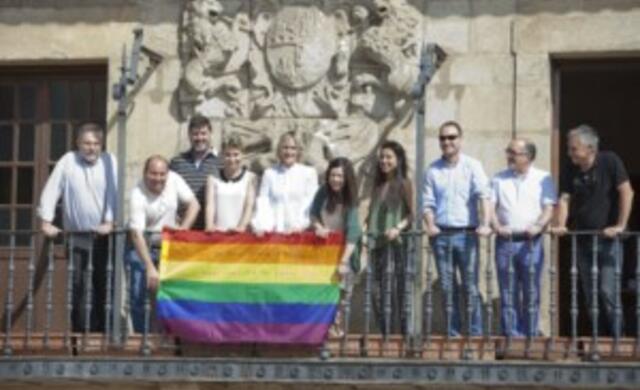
(512, 152)
(448, 138)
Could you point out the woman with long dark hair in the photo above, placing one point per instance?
(335, 208)
(390, 213)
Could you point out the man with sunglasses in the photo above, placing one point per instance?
(453, 186)
(595, 195)
(523, 197)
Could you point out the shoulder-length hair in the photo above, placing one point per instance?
(399, 187)
(348, 197)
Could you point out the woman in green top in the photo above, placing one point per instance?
(335, 208)
(390, 212)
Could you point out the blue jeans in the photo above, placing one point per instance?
(606, 265)
(138, 287)
(520, 292)
(458, 251)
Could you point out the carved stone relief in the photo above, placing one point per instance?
(333, 70)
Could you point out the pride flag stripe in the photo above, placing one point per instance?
(234, 332)
(241, 253)
(248, 292)
(250, 239)
(247, 273)
(246, 313)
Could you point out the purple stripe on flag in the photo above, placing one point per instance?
(236, 332)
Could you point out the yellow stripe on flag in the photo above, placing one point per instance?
(247, 272)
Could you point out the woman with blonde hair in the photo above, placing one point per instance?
(286, 191)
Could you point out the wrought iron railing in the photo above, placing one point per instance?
(397, 307)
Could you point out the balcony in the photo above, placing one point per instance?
(39, 343)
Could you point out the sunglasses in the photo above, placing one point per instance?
(448, 138)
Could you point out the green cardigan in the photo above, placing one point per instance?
(352, 228)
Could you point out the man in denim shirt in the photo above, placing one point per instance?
(453, 186)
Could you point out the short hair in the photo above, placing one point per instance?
(90, 127)
(152, 158)
(529, 148)
(454, 124)
(294, 136)
(232, 140)
(199, 121)
(587, 135)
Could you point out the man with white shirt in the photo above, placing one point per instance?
(454, 186)
(154, 205)
(523, 198)
(86, 180)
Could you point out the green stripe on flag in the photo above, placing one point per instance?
(249, 292)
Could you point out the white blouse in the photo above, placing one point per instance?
(284, 199)
(230, 196)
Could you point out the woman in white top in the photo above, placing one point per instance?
(286, 191)
(230, 197)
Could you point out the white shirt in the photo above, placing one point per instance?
(89, 192)
(229, 199)
(285, 197)
(152, 212)
(519, 199)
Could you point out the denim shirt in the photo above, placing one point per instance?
(452, 191)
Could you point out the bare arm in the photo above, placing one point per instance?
(484, 228)
(249, 202)
(344, 266)
(561, 214)
(625, 194)
(190, 215)
(210, 205)
(625, 200)
(140, 245)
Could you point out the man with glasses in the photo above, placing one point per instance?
(595, 195)
(522, 197)
(453, 186)
(86, 181)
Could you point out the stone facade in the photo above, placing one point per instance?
(337, 71)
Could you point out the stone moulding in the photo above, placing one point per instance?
(302, 64)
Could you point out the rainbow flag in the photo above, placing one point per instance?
(237, 288)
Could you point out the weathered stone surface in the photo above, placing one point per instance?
(578, 33)
(534, 107)
(486, 107)
(496, 69)
(450, 33)
(533, 69)
(491, 34)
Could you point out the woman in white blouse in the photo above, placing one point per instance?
(230, 197)
(286, 191)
